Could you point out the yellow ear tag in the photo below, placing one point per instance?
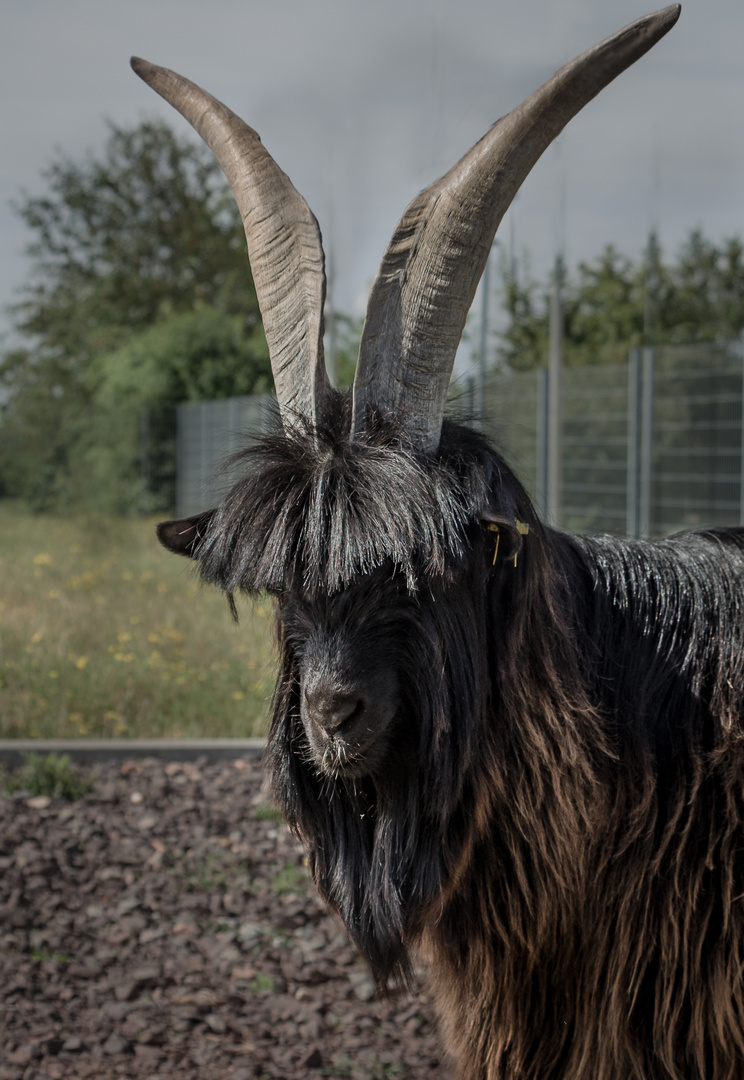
(522, 529)
(495, 528)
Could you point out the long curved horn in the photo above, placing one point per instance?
(431, 267)
(284, 244)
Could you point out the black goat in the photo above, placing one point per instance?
(519, 750)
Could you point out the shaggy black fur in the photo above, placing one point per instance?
(318, 510)
(556, 810)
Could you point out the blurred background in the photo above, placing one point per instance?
(132, 357)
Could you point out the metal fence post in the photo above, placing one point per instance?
(634, 429)
(741, 455)
(554, 499)
(646, 444)
(206, 461)
(640, 442)
(541, 457)
(485, 287)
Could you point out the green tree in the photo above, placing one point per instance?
(139, 273)
(152, 226)
(612, 303)
(523, 344)
(347, 337)
(191, 356)
(604, 310)
(706, 301)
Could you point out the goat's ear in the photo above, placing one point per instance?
(507, 531)
(183, 537)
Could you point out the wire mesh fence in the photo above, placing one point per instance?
(209, 435)
(648, 447)
(697, 440)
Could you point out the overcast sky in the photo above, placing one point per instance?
(365, 103)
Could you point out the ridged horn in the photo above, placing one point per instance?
(431, 267)
(284, 243)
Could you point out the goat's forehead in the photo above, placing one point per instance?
(330, 517)
(364, 598)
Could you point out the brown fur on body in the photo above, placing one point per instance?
(598, 931)
(553, 802)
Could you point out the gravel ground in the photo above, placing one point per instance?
(164, 925)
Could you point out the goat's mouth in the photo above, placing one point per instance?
(352, 755)
(339, 758)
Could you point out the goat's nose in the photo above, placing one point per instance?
(331, 709)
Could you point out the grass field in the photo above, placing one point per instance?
(103, 633)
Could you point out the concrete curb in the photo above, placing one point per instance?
(12, 750)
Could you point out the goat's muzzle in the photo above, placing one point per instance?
(348, 728)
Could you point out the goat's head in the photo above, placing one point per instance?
(369, 541)
(365, 512)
